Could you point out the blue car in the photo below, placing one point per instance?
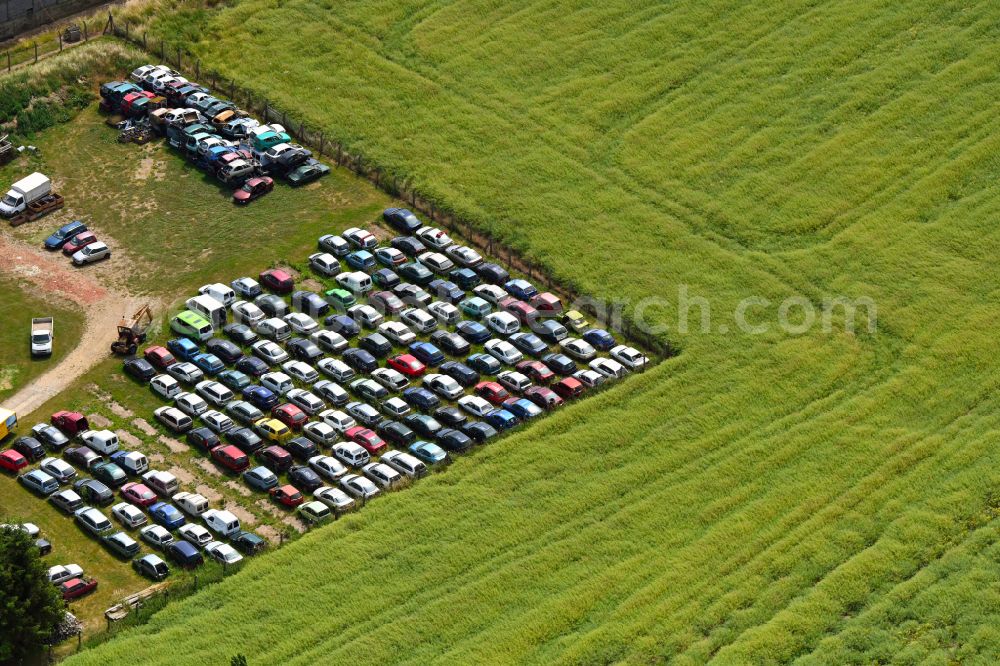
(251, 365)
(473, 331)
(522, 408)
(342, 324)
(446, 291)
(234, 380)
(362, 260)
(521, 289)
(465, 278)
(260, 397)
(484, 364)
(427, 353)
(401, 219)
(184, 553)
(385, 278)
(600, 339)
(63, 234)
(501, 419)
(421, 398)
(183, 349)
(210, 364)
(167, 515)
(430, 453)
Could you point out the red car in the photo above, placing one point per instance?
(276, 459)
(407, 364)
(290, 415)
(76, 242)
(253, 189)
(231, 457)
(524, 312)
(547, 301)
(371, 442)
(568, 388)
(536, 370)
(138, 494)
(70, 422)
(159, 357)
(543, 396)
(77, 587)
(288, 495)
(12, 461)
(277, 281)
(492, 391)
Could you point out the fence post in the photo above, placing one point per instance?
(197, 68)
(8, 61)
(126, 29)
(85, 37)
(60, 41)
(322, 140)
(163, 49)
(36, 51)
(144, 48)
(178, 57)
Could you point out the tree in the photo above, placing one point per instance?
(30, 606)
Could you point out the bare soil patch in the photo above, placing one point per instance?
(128, 438)
(143, 425)
(238, 487)
(246, 517)
(269, 533)
(98, 420)
(210, 493)
(173, 444)
(208, 466)
(183, 475)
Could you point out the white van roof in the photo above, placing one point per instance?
(207, 302)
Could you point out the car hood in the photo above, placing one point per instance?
(241, 195)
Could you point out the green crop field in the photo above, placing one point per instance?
(821, 497)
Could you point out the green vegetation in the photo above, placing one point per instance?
(32, 606)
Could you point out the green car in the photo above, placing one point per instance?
(315, 512)
(109, 474)
(234, 380)
(475, 307)
(308, 172)
(340, 298)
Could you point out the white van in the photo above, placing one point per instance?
(351, 454)
(357, 282)
(104, 442)
(192, 504)
(274, 329)
(133, 462)
(210, 309)
(165, 386)
(223, 522)
(220, 292)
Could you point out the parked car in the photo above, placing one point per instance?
(94, 252)
(151, 566)
(401, 219)
(67, 501)
(138, 494)
(410, 245)
(254, 188)
(185, 554)
(63, 234)
(288, 495)
(277, 281)
(359, 487)
(629, 357)
(428, 453)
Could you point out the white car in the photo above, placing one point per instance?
(128, 515)
(217, 422)
(191, 404)
(464, 256)
(398, 333)
(58, 469)
(328, 467)
(490, 293)
(334, 244)
(195, 534)
(443, 385)
(478, 407)
(306, 401)
(329, 341)
(351, 454)
(324, 263)
(246, 287)
(63, 572)
(301, 371)
(433, 238)
(358, 486)
(578, 349)
(244, 412)
(514, 381)
(88, 254)
(336, 369)
(301, 323)
(503, 323)
(268, 351)
(404, 463)
(396, 407)
(248, 314)
(436, 262)
(335, 498)
(391, 379)
(320, 432)
(589, 378)
(331, 392)
(503, 351)
(214, 392)
(608, 367)
(359, 238)
(630, 357)
(337, 420)
(222, 553)
(186, 372)
(165, 386)
(156, 535)
(277, 382)
(446, 313)
(419, 320)
(385, 477)
(365, 315)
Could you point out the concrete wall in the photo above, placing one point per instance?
(17, 16)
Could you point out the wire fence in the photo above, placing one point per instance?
(77, 32)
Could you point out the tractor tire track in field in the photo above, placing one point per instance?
(54, 275)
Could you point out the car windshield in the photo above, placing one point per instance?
(40, 337)
(9, 200)
(247, 187)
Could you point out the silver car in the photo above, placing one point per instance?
(88, 254)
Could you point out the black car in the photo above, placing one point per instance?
(465, 278)
(50, 436)
(303, 349)
(140, 368)
(451, 343)
(453, 440)
(376, 344)
(342, 324)
(203, 438)
(460, 372)
(401, 219)
(478, 431)
(94, 492)
(304, 479)
(360, 360)
(30, 448)
(248, 543)
(272, 305)
(473, 331)
(252, 366)
(385, 278)
(82, 456)
(275, 458)
(240, 333)
(396, 433)
(154, 569)
(529, 343)
(408, 245)
(492, 273)
(416, 273)
(446, 291)
(452, 417)
(423, 425)
(245, 439)
(421, 398)
(227, 351)
(302, 448)
(560, 364)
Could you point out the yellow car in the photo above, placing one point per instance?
(272, 430)
(575, 321)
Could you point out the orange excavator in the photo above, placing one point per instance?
(132, 333)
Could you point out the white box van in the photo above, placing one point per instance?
(357, 282)
(163, 483)
(165, 386)
(274, 329)
(104, 442)
(222, 522)
(210, 309)
(351, 454)
(220, 292)
(133, 462)
(192, 504)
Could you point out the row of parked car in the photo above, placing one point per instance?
(78, 243)
(212, 132)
